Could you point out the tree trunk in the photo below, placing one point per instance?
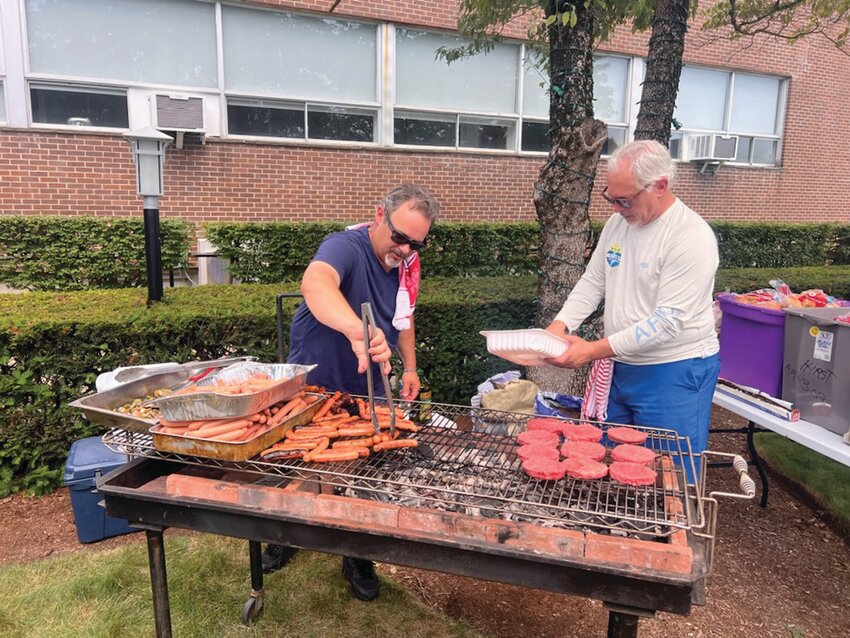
(562, 192)
(663, 69)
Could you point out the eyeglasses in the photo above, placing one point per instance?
(400, 238)
(623, 202)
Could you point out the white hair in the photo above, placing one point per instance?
(649, 160)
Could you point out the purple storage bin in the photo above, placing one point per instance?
(752, 342)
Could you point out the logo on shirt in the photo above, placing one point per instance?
(614, 255)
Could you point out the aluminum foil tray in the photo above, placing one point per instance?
(289, 377)
(232, 451)
(524, 347)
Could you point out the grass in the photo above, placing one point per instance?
(107, 594)
(825, 480)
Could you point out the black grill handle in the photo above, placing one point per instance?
(281, 335)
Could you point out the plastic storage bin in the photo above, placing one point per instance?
(751, 345)
(88, 459)
(816, 373)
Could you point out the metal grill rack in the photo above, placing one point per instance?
(466, 462)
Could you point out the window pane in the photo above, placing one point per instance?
(274, 53)
(616, 138)
(702, 98)
(485, 83)
(161, 41)
(535, 98)
(535, 136)
(56, 106)
(486, 133)
(744, 144)
(610, 77)
(340, 124)
(2, 103)
(423, 129)
(276, 121)
(755, 101)
(764, 151)
(675, 145)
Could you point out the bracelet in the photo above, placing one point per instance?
(409, 370)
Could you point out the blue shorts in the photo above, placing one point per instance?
(675, 396)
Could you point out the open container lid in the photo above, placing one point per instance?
(524, 347)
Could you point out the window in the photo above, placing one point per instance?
(275, 54)
(169, 42)
(471, 103)
(78, 106)
(731, 103)
(610, 103)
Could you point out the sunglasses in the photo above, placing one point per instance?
(622, 202)
(400, 238)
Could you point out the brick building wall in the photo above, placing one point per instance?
(70, 173)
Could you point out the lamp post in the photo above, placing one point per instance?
(148, 146)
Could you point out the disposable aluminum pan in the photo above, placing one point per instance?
(289, 377)
(232, 450)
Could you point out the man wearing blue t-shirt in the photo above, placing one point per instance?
(375, 263)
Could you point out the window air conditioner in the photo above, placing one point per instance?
(180, 114)
(712, 148)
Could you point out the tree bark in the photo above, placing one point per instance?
(562, 191)
(663, 69)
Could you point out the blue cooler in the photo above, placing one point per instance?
(88, 459)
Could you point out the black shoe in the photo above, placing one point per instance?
(276, 556)
(362, 577)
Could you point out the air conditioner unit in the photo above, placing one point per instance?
(180, 114)
(712, 148)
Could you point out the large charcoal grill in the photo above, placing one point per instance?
(466, 472)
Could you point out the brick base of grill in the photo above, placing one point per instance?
(301, 501)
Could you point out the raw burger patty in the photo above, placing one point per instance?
(546, 424)
(632, 454)
(537, 451)
(538, 437)
(631, 473)
(582, 432)
(581, 467)
(626, 435)
(587, 449)
(544, 469)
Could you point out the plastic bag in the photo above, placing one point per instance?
(552, 404)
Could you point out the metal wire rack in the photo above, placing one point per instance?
(466, 462)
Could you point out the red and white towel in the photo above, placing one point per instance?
(409, 273)
(595, 404)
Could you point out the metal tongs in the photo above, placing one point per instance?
(369, 318)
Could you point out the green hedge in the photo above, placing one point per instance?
(53, 346)
(834, 280)
(83, 253)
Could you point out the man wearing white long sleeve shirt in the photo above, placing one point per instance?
(654, 268)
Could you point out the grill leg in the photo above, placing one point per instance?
(159, 583)
(254, 605)
(622, 625)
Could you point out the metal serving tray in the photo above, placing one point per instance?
(100, 407)
(232, 451)
(290, 379)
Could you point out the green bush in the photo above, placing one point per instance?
(53, 346)
(761, 245)
(83, 253)
(834, 280)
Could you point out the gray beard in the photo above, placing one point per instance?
(392, 261)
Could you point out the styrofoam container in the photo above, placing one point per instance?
(524, 347)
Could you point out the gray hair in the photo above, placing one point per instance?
(650, 161)
(422, 200)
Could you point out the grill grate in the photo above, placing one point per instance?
(466, 462)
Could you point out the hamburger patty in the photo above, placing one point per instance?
(582, 432)
(544, 469)
(633, 454)
(546, 424)
(537, 451)
(623, 434)
(632, 473)
(581, 467)
(587, 449)
(538, 437)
